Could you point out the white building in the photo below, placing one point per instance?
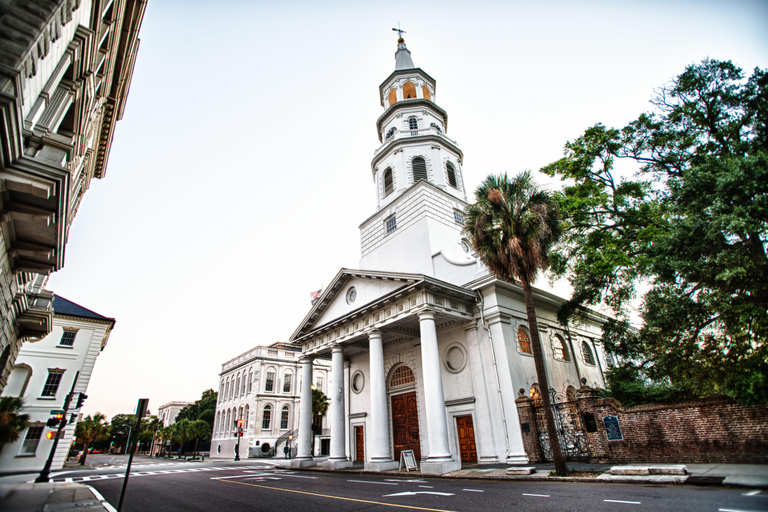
(167, 413)
(428, 349)
(44, 374)
(261, 387)
(64, 80)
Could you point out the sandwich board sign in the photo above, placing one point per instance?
(407, 458)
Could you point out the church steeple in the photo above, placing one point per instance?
(417, 171)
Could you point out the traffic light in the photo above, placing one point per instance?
(54, 421)
(80, 400)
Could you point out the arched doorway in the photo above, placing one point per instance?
(405, 412)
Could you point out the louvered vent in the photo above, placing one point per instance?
(419, 169)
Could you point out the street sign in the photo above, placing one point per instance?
(57, 411)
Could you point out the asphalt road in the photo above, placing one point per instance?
(253, 486)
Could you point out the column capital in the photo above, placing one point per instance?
(306, 359)
(374, 333)
(337, 348)
(427, 314)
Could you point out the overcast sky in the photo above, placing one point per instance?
(240, 171)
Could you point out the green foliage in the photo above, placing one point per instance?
(319, 403)
(203, 409)
(90, 429)
(12, 421)
(691, 227)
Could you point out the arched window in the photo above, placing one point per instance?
(401, 376)
(409, 90)
(392, 96)
(228, 424)
(266, 418)
(287, 382)
(413, 124)
(237, 386)
(561, 351)
(247, 413)
(425, 92)
(589, 358)
(388, 185)
(250, 381)
(419, 169)
(524, 341)
(451, 175)
(217, 423)
(242, 390)
(226, 392)
(284, 418)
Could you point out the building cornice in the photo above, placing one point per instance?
(413, 102)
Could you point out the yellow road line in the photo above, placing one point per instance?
(333, 497)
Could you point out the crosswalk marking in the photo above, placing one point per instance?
(111, 476)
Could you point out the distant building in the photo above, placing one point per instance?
(167, 412)
(43, 375)
(65, 72)
(262, 388)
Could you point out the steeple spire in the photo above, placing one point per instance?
(403, 55)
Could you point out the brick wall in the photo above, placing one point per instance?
(713, 430)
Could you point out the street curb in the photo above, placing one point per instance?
(98, 496)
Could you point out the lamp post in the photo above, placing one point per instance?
(290, 438)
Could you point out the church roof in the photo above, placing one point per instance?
(64, 307)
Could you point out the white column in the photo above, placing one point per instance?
(304, 452)
(338, 458)
(379, 458)
(439, 459)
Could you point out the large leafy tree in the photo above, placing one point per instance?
(673, 209)
(90, 429)
(203, 409)
(122, 427)
(12, 420)
(512, 226)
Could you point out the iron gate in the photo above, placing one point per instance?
(570, 428)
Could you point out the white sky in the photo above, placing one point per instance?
(240, 172)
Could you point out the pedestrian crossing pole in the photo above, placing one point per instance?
(141, 410)
(43, 477)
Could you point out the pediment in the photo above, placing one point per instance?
(336, 302)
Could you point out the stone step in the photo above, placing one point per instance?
(518, 470)
(675, 469)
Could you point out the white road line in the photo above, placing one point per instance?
(537, 495)
(733, 510)
(751, 493)
(401, 480)
(228, 477)
(298, 476)
(370, 482)
(427, 486)
(473, 490)
(621, 501)
(101, 499)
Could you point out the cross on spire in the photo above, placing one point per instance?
(399, 31)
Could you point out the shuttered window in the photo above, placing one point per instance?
(388, 185)
(451, 175)
(419, 169)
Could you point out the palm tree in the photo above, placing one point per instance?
(199, 429)
(12, 423)
(91, 429)
(511, 226)
(180, 432)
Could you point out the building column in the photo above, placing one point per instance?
(338, 458)
(379, 454)
(439, 460)
(304, 452)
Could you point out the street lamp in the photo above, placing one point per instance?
(290, 438)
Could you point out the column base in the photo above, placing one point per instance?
(337, 464)
(488, 459)
(303, 463)
(381, 466)
(439, 467)
(515, 458)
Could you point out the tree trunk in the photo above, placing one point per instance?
(85, 452)
(541, 375)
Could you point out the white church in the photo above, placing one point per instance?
(427, 349)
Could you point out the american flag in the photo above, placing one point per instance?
(313, 296)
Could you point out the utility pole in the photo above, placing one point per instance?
(141, 410)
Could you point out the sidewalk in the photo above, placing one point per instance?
(18, 496)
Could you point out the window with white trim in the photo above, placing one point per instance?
(388, 183)
(270, 382)
(284, 418)
(419, 166)
(287, 383)
(31, 440)
(458, 217)
(266, 418)
(390, 224)
(67, 339)
(451, 171)
(52, 382)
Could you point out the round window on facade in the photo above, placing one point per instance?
(455, 359)
(465, 245)
(265, 448)
(351, 295)
(358, 381)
